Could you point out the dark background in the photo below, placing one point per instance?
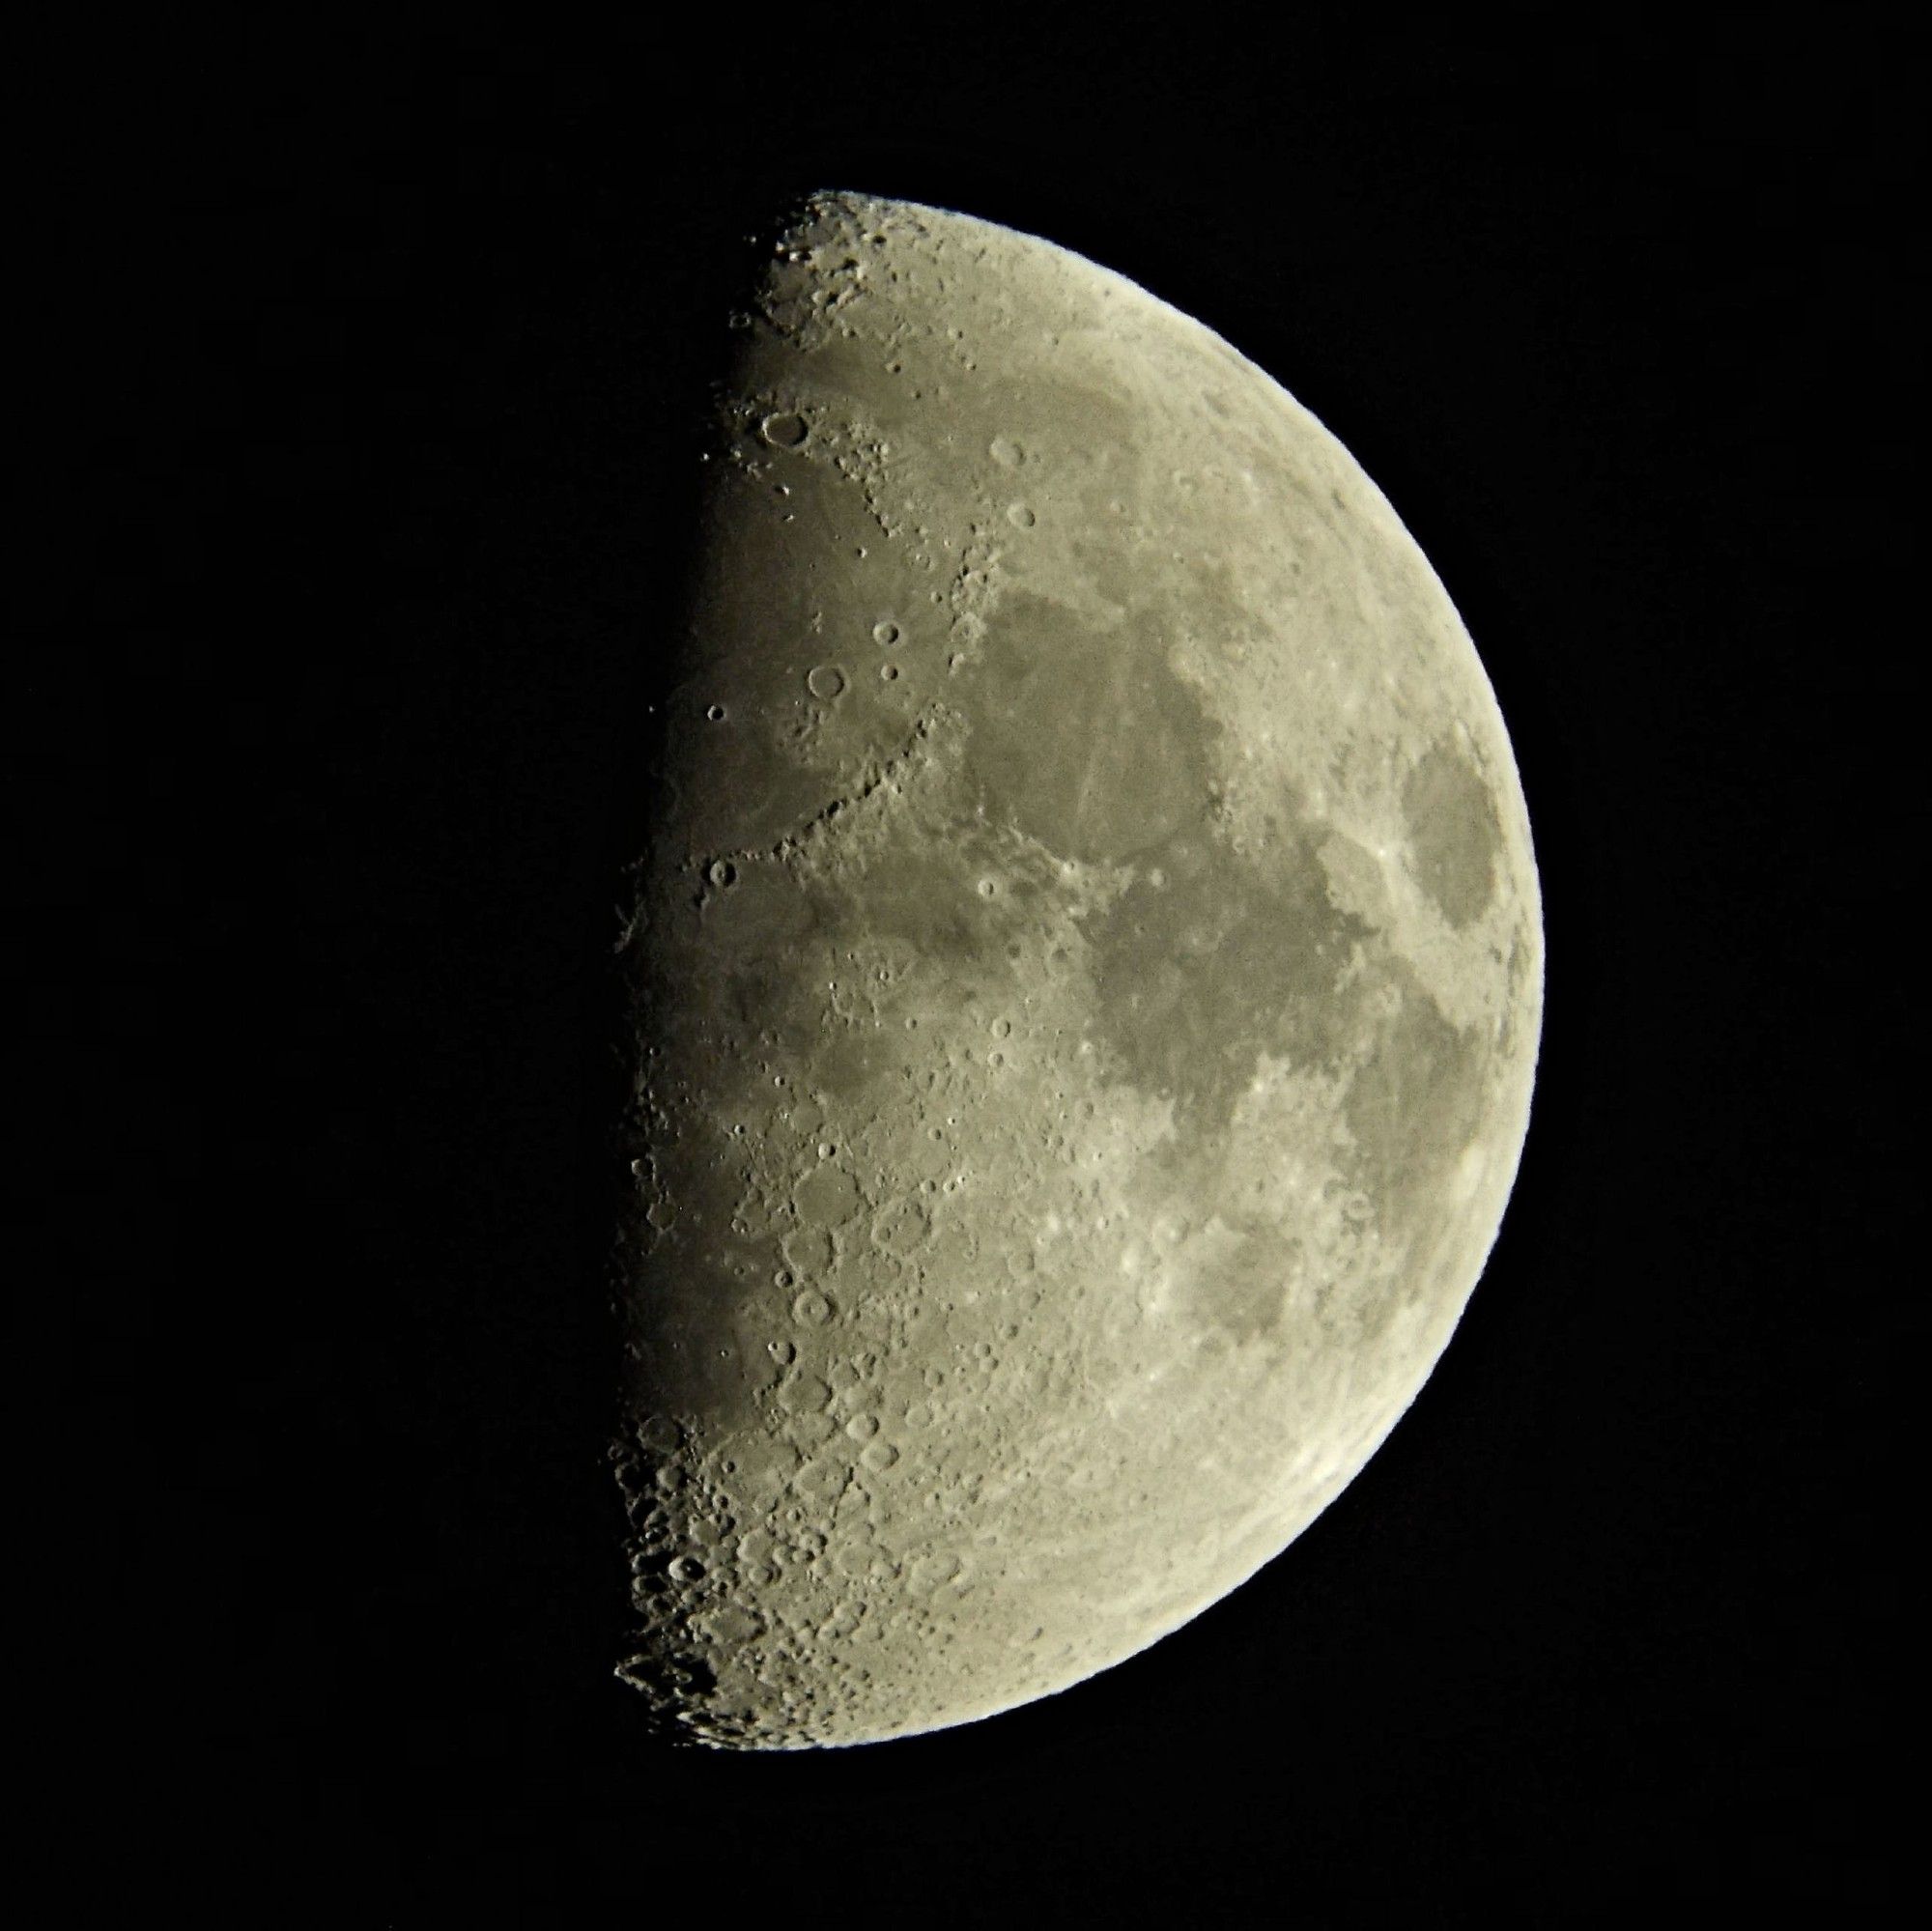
(375, 360)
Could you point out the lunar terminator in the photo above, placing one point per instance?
(1086, 980)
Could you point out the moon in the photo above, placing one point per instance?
(1085, 982)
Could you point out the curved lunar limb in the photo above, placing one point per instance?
(1086, 974)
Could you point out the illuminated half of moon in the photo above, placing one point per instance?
(1085, 983)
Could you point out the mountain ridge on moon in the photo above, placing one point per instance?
(1085, 980)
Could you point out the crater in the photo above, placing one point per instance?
(1236, 1278)
(1453, 834)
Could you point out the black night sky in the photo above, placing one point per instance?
(381, 356)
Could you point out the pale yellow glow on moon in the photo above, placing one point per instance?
(1088, 971)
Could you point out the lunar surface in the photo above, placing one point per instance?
(1085, 978)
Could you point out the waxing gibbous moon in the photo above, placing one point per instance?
(1087, 972)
